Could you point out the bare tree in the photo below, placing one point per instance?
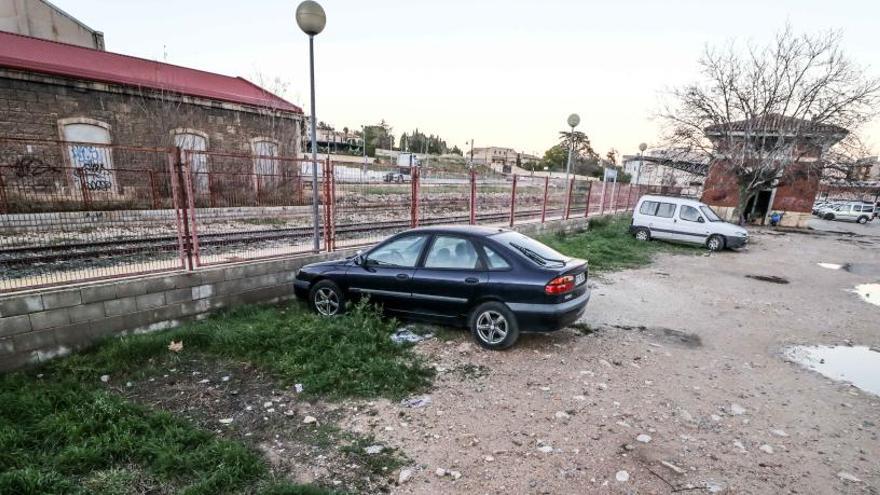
(774, 114)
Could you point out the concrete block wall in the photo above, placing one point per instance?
(37, 326)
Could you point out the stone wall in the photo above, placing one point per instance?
(40, 325)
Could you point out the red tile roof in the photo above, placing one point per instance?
(49, 57)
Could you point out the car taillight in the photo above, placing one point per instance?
(560, 285)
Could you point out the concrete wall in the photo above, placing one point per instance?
(37, 326)
(41, 19)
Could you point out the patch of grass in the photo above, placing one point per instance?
(608, 245)
(347, 356)
(61, 436)
(582, 328)
(379, 464)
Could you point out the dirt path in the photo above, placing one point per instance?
(686, 352)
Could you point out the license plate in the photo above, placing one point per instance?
(581, 278)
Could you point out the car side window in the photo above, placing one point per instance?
(452, 252)
(649, 208)
(403, 252)
(495, 261)
(689, 213)
(666, 210)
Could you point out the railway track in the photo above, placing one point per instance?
(27, 255)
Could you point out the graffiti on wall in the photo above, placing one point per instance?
(95, 164)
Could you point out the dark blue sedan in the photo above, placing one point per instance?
(496, 281)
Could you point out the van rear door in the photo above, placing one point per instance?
(660, 216)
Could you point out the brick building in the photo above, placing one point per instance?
(96, 102)
(794, 191)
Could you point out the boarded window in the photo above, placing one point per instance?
(90, 156)
(196, 145)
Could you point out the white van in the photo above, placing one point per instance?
(684, 220)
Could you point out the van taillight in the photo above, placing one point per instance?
(559, 285)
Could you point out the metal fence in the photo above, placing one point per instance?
(71, 212)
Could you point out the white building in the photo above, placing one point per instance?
(659, 167)
(41, 19)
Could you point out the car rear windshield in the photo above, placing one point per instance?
(531, 249)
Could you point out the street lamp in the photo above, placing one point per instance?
(311, 19)
(573, 121)
(642, 148)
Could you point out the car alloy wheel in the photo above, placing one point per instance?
(715, 243)
(492, 327)
(327, 301)
(642, 235)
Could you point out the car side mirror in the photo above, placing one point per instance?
(359, 258)
(700, 220)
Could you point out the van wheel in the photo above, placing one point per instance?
(493, 326)
(715, 243)
(863, 220)
(642, 234)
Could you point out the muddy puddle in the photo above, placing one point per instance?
(866, 269)
(869, 292)
(858, 365)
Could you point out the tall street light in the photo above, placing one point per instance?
(642, 148)
(311, 19)
(573, 121)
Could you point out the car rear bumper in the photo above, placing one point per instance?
(549, 317)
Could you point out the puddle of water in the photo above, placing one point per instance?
(773, 279)
(857, 365)
(869, 292)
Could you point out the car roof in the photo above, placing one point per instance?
(674, 199)
(472, 230)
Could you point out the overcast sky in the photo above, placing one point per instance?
(505, 73)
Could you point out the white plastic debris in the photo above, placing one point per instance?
(226, 421)
(622, 476)
(406, 336)
(374, 449)
(416, 402)
(298, 387)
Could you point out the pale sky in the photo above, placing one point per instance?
(503, 72)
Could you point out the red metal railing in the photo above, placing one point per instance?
(71, 212)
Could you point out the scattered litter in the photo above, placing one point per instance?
(374, 449)
(416, 402)
(310, 419)
(224, 379)
(226, 421)
(830, 266)
(298, 387)
(622, 476)
(175, 346)
(406, 336)
(105, 378)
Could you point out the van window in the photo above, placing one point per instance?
(666, 210)
(689, 213)
(649, 208)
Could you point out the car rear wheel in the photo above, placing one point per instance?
(715, 243)
(493, 326)
(863, 220)
(327, 298)
(642, 234)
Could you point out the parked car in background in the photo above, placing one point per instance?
(855, 211)
(497, 282)
(684, 220)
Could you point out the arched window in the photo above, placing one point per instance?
(266, 167)
(88, 153)
(196, 143)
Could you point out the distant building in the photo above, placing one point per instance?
(503, 160)
(41, 19)
(331, 140)
(669, 168)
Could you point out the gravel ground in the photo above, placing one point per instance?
(673, 381)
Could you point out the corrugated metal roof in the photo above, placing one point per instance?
(773, 124)
(60, 59)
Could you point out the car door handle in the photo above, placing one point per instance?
(472, 280)
(402, 276)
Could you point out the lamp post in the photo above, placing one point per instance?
(642, 148)
(311, 19)
(573, 121)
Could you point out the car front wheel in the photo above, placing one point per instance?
(327, 298)
(493, 326)
(715, 243)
